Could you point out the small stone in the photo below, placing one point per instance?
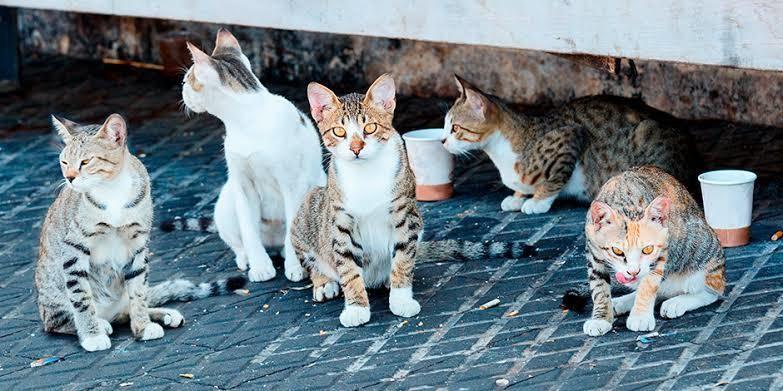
(501, 382)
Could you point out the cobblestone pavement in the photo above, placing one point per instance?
(277, 338)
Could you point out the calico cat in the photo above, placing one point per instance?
(568, 152)
(362, 229)
(645, 230)
(92, 263)
(272, 152)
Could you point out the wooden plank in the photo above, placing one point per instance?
(739, 33)
(9, 50)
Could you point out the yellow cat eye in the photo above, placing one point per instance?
(338, 131)
(86, 161)
(617, 251)
(370, 128)
(455, 128)
(647, 250)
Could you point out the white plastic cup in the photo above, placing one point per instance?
(728, 204)
(431, 163)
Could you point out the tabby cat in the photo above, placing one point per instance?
(272, 153)
(92, 264)
(568, 152)
(362, 230)
(645, 230)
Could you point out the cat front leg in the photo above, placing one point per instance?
(92, 332)
(248, 209)
(642, 317)
(136, 285)
(357, 303)
(513, 203)
(600, 291)
(407, 230)
(551, 165)
(714, 285)
(293, 267)
(227, 223)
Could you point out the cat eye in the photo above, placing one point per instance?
(338, 131)
(85, 162)
(617, 251)
(455, 128)
(370, 128)
(647, 250)
(64, 162)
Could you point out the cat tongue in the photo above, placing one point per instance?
(622, 279)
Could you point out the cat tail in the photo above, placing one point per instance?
(201, 224)
(464, 250)
(184, 290)
(576, 299)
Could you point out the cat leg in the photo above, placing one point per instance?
(538, 204)
(642, 317)
(91, 331)
(228, 229)
(600, 291)
(169, 317)
(248, 210)
(407, 230)
(324, 288)
(57, 319)
(293, 268)
(623, 304)
(357, 304)
(513, 203)
(679, 305)
(141, 325)
(551, 168)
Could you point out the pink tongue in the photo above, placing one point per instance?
(621, 278)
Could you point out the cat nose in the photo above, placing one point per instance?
(633, 273)
(356, 147)
(70, 178)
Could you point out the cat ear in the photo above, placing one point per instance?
(114, 130)
(658, 210)
(63, 127)
(381, 93)
(226, 39)
(477, 101)
(601, 214)
(321, 100)
(197, 55)
(462, 84)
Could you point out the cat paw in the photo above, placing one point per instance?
(533, 206)
(596, 327)
(261, 271)
(404, 307)
(512, 204)
(674, 307)
(106, 326)
(640, 322)
(622, 306)
(327, 291)
(96, 342)
(241, 262)
(354, 315)
(152, 331)
(173, 319)
(294, 270)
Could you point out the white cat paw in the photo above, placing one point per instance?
(674, 307)
(294, 270)
(327, 291)
(261, 270)
(596, 327)
(533, 206)
(173, 319)
(512, 204)
(106, 326)
(622, 306)
(640, 322)
(96, 342)
(354, 315)
(404, 307)
(152, 331)
(241, 262)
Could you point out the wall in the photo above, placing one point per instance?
(425, 68)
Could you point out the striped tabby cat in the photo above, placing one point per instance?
(568, 152)
(645, 230)
(92, 264)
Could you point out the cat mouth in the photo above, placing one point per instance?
(621, 278)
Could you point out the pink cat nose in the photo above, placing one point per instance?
(633, 273)
(70, 178)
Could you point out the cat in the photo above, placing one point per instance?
(362, 229)
(568, 152)
(92, 263)
(645, 230)
(272, 153)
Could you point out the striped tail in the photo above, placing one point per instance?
(463, 250)
(201, 224)
(184, 290)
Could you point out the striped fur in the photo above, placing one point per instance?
(436, 251)
(198, 224)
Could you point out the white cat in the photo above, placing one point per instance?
(272, 151)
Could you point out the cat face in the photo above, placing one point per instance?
(354, 127)
(469, 121)
(226, 71)
(93, 153)
(631, 247)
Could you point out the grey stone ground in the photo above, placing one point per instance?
(233, 342)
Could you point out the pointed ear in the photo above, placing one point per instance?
(321, 99)
(63, 127)
(381, 94)
(114, 130)
(461, 85)
(601, 214)
(477, 101)
(198, 56)
(658, 210)
(225, 39)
